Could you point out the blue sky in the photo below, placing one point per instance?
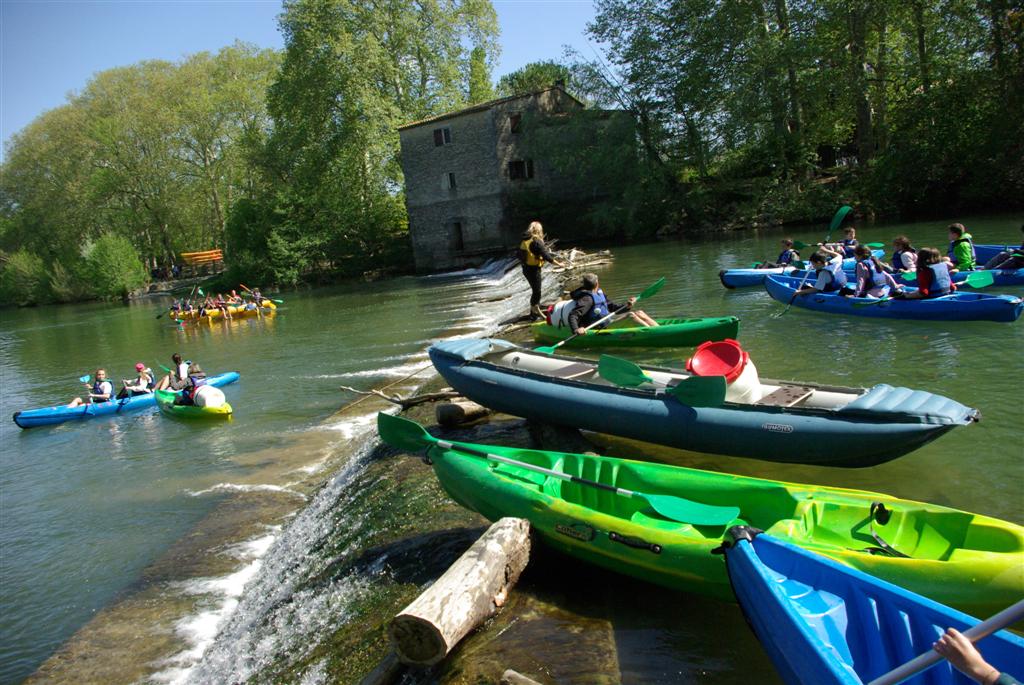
(49, 48)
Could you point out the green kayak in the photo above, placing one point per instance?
(666, 531)
(165, 400)
(623, 333)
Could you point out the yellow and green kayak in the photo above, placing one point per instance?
(234, 311)
(165, 400)
(972, 562)
(624, 333)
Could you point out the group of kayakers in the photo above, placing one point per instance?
(185, 376)
(218, 302)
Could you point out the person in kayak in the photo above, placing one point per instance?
(934, 276)
(904, 256)
(872, 280)
(143, 383)
(828, 268)
(1008, 259)
(589, 304)
(966, 658)
(848, 243)
(532, 255)
(174, 380)
(100, 391)
(961, 248)
(785, 258)
(195, 379)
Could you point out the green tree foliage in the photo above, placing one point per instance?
(154, 153)
(329, 194)
(480, 87)
(23, 279)
(533, 77)
(113, 266)
(778, 108)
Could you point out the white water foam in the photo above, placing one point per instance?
(244, 487)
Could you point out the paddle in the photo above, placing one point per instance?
(651, 290)
(1003, 619)
(410, 436)
(793, 299)
(160, 315)
(246, 288)
(975, 279)
(84, 379)
(693, 391)
(837, 220)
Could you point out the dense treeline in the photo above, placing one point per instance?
(771, 110)
(732, 112)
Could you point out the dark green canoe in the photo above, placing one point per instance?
(668, 333)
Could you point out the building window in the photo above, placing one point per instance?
(515, 122)
(442, 136)
(455, 237)
(520, 169)
(448, 181)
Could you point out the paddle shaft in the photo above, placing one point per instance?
(538, 469)
(795, 293)
(1004, 618)
(593, 325)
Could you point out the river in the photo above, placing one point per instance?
(143, 525)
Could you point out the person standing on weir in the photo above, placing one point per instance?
(532, 254)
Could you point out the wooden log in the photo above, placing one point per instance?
(458, 412)
(468, 593)
(510, 677)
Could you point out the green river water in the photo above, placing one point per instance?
(106, 524)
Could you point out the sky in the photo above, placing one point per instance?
(50, 48)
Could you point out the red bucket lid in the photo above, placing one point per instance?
(718, 358)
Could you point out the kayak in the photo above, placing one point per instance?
(958, 306)
(236, 312)
(823, 622)
(745, 278)
(668, 333)
(785, 421)
(59, 414)
(968, 560)
(165, 400)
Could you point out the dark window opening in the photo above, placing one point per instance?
(442, 136)
(451, 181)
(520, 169)
(455, 236)
(515, 122)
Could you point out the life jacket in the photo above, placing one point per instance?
(600, 308)
(151, 383)
(897, 258)
(786, 256)
(98, 389)
(876, 278)
(848, 245)
(966, 238)
(529, 259)
(942, 283)
(188, 393)
(835, 268)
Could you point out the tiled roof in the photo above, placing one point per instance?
(481, 107)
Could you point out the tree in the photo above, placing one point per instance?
(114, 266)
(480, 88)
(533, 77)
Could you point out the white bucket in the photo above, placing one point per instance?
(209, 396)
(746, 389)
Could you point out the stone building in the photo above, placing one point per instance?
(461, 168)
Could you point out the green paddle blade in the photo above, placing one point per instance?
(875, 246)
(838, 218)
(909, 276)
(545, 350)
(402, 433)
(799, 244)
(798, 264)
(980, 279)
(700, 391)
(652, 289)
(688, 511)
(84, 379)
(621, 371)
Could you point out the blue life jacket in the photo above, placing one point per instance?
(787, 256)
(97, 389)
(835, 268)
(942, 283)
(897, 259)
(848, 245)
(600, 308)
(876, 277)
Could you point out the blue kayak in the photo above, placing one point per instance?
(745, 278)
(796, 422)
(826, 623)
(48, 416)
(958, 306)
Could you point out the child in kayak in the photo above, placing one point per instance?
(828, 267)
(934, 276)
(101, 390)
(961, 248)
(786, 257)
(847, 244)
(1008, 259)
(904, 256)
(872, 279)
(142, 385)
(589, 304)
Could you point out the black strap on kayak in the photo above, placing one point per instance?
(635, 543)
(879, 513)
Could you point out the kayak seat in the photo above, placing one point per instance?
(574, 370)
(786, 396)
